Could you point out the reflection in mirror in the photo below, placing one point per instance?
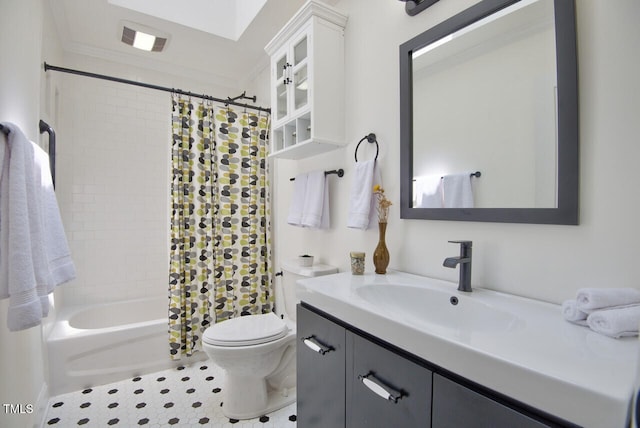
(484, 92)
(500, 76)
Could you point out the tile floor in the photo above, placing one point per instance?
(184, 397)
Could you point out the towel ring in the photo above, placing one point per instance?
(371, 138)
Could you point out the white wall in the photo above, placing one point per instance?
(547, 262)
(113, 179)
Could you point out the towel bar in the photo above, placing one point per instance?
(338, 172)
(44, 127)
(473, 174)
(476, 174)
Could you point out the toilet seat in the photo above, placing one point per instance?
(246, 330)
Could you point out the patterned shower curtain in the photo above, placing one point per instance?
(220, 257)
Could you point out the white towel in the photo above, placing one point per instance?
(590, 299)
(427, 192)
(297, 200)
(34, 255)
(315, 211)
(60, 264)
(571, 313)
(456, 190)
(616, 322)
(362, 210)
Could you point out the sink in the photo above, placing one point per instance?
(520, 347)
(458, 313)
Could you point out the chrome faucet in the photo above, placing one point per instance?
(464, 260)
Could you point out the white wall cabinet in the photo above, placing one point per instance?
(307, 83)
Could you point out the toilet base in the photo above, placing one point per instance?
(260, 401)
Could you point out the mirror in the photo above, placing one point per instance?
(489, 115)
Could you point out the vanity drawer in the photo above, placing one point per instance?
(320, 371)
(403, 397)
(457, 406)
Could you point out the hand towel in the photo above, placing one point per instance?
(60, 264)
(571, 313)
(297, 200)
(362, 210)
(19, 231)
(427, 192)
(34, 256)
(590, 299)
(315, 210)
(616, 322)
(456, 191)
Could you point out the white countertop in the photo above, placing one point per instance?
(544, 361)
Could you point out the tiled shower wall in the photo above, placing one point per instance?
(112, 185)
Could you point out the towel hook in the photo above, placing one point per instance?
(371, 138)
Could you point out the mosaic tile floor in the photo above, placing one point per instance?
(184, 397)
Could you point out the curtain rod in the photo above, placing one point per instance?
(48, 67)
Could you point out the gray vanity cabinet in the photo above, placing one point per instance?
(348, 379)
(321, 371)
(332, 364)
(405, 387)
(456, 406)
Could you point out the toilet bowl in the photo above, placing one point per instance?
(257, 354)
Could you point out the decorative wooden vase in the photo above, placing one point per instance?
(381, 253)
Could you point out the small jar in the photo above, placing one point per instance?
(357, 263)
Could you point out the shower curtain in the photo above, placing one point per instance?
(220, 256)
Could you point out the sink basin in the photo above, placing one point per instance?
(520, 347)
(458, 313)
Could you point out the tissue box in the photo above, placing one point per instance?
(305, 260)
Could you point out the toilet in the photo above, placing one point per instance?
(258, 352)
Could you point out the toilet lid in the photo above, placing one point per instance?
(246, 330)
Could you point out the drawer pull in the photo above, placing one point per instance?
(315, 346)
(379, 388)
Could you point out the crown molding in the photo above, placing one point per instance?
(312, 8)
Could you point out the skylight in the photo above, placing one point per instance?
(224, 18)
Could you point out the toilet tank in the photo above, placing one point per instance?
(291, 272)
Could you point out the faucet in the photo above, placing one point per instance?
(464, 260)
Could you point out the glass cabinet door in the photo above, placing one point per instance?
(281, 73)
(291, 70)
(300, 84)
(300, 51)
(301, 87)
(281, 97)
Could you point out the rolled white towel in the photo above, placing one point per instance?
(591, 299)
(616, 322)
(571, 313)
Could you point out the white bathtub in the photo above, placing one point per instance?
(94, 345)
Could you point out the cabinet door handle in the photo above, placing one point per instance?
(316, 346)
(379, 388)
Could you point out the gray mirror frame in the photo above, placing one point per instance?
(567, 210)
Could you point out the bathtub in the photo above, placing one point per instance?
(94, 345)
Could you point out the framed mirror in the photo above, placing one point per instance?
(489, 115)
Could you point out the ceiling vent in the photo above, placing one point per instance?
(143, 37)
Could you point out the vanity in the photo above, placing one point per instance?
(409, 351)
